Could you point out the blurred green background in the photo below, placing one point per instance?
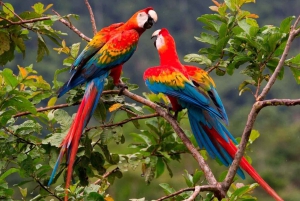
(276, 152)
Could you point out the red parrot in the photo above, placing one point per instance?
(104, 55)
(192, 88)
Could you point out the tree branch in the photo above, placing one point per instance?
(91, 16)
(25, 21)
(197, 190)
(258, 105)
(46, 189)
(73, 28)
(131, 119)
(200, 160)
(106, 174)
(194, 195)
(23, 140)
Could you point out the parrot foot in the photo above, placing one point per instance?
(122, 87)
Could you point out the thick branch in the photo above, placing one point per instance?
(91, 16)
(203, 165)
(278, 102)
(73, 28)
(257, 107)
(197, 190)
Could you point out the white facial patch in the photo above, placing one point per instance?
(142, 18)
(160, 41)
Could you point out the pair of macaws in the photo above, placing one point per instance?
(186, 86)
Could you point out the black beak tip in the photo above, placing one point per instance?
(149, 23)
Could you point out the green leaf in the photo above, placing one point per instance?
(197, 176)
(42, 49)
(253, 136)
(272, 64)
(201, 59)
(68, 61)
(38, 8)
(4, 42)
(93, 196)
(9, 77)
(8, 55)
(135, 122)
(245, 83)
(294, 60)
(20, 103)
(57, 72)
(207, 38)
(167, 188)
(231, 4)
(249, 29)
(97, 160)
(160, 167)
(75, 49)
(20, 44)
(8, 172)
(63, 118)
(296, 74)
(8, 9)
(188, 179)
(100, 112)
(285, 25)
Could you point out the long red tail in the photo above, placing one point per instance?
(232, 149)
(71, 141)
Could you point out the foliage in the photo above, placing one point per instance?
(234, 41)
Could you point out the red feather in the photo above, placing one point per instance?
(232, 149)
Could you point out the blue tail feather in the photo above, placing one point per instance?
(200, 119)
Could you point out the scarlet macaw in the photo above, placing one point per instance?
(104, 55)
(192, 88)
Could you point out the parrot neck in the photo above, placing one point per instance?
(129, 25)
(170, 58)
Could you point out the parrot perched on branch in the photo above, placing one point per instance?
(192, 88)
(104, 55)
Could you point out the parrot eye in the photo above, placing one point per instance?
(142, 18)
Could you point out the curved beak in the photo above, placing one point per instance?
(152, 18)
(154, 35)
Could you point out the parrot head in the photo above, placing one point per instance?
(164, 41)
(143, 19)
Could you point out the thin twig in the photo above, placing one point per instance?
(211, 188)
(106, 175)
(257, 107)
(195, 194)
(2, 4)
(25, 21)
(43, 109)
(91, 16)
(23, 140)
(73, 28)
(46, 189)
(130, 119)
